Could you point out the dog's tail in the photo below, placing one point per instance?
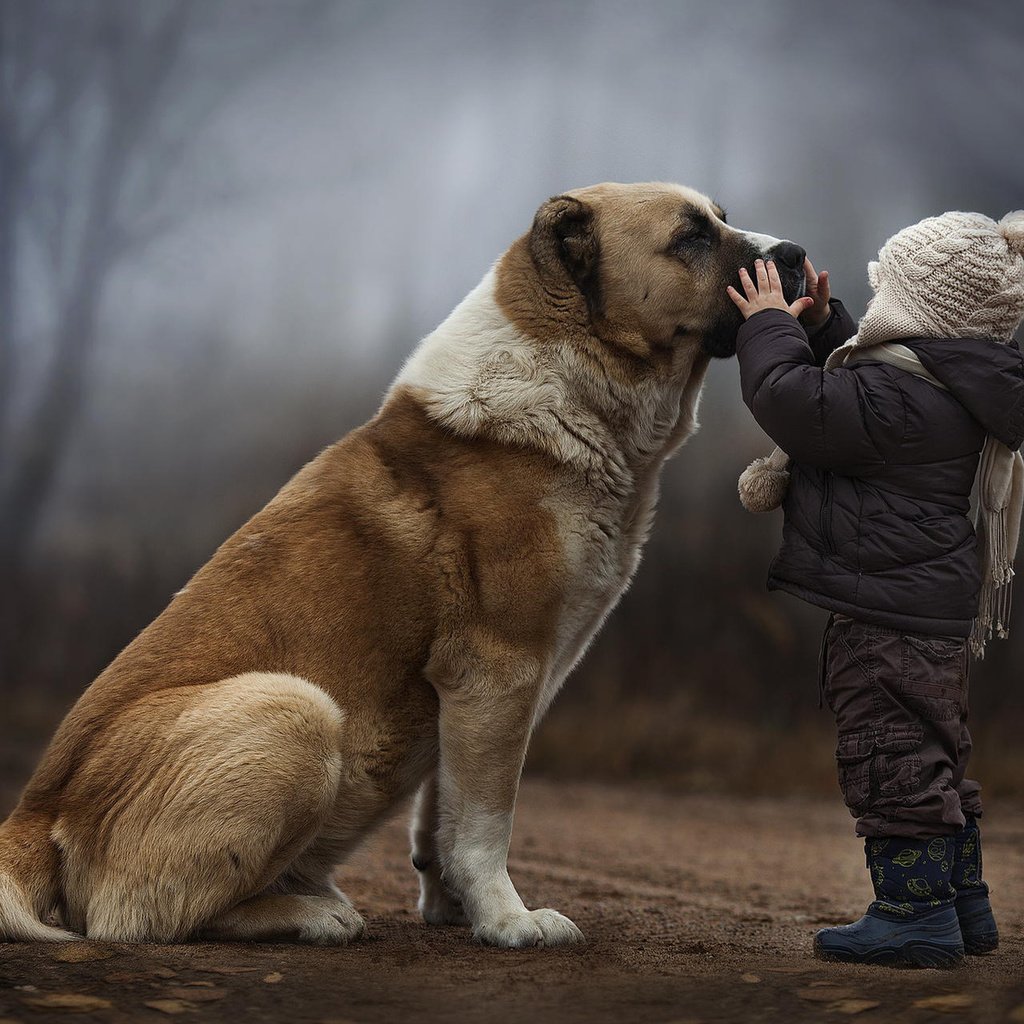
(29, 880)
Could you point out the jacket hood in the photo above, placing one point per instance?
(985, 376)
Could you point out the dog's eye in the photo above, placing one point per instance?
(691, 242)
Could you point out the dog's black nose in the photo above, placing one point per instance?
(789, 254)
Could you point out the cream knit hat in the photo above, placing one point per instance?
(958, 275)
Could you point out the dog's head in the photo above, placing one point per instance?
(648, 264)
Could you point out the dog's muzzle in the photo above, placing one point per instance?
(789, 261)
(720, 339)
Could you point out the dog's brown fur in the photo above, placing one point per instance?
(399, 616)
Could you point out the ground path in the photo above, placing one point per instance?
(696, 909)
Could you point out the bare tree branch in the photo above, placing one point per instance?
(87, 152)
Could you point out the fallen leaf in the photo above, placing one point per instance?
(228, 970)
(946, 1004)
(273, 977)
(170, 1006)
(750, 979)
(197, 995)
(73, 1002)
(80, 952)
(850, 1007)
(163, 972)
(825, 995)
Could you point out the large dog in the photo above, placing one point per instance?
(401, 614)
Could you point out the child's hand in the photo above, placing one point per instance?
(817, 289)
(766, 294)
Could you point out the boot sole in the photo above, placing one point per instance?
(910, 954)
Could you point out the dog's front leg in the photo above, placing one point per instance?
(436, 903)
(485, 724)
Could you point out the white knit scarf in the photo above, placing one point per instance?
(1000, 489)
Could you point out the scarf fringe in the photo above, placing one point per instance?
(996, 599)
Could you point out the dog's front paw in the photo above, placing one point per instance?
(440, 908)
(528, 928)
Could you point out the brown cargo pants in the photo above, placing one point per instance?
(900, 702)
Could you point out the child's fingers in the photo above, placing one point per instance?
(810, 275)
(824, 293)
(748, 285)
(774, 282)
(801, 306)
(741, 302)
(762, 276)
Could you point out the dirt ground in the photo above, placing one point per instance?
(696, 909)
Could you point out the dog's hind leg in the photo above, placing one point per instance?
(322, 920)
(436, 903)
(303, 904)
(227, 784)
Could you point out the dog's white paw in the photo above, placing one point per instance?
(529, 928)
(438, 907)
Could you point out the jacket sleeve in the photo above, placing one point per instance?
(838, 329)
(819, 417)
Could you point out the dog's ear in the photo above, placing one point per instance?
(563, 242)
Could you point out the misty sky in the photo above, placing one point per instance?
(364, 183)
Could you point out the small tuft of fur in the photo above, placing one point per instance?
(18, 920)
(763, 485)
(1012, 228)
(29, 869)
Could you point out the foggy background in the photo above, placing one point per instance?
(224, 224)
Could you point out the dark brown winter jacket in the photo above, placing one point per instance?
(882, 466)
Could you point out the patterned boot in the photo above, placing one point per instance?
(977, 924)
(912, 920)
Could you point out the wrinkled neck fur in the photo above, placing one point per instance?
(478, 374)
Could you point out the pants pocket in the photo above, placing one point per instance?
(897, 761)
(853, 758)
(875, 767)
(934, 676)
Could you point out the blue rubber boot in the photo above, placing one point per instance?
(977, 925)
(912, 921)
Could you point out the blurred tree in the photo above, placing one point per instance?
(99, 100)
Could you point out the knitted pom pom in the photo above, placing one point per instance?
(1012, 228)
(764, 483)
(874, 274)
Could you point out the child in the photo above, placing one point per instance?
(885, 436)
